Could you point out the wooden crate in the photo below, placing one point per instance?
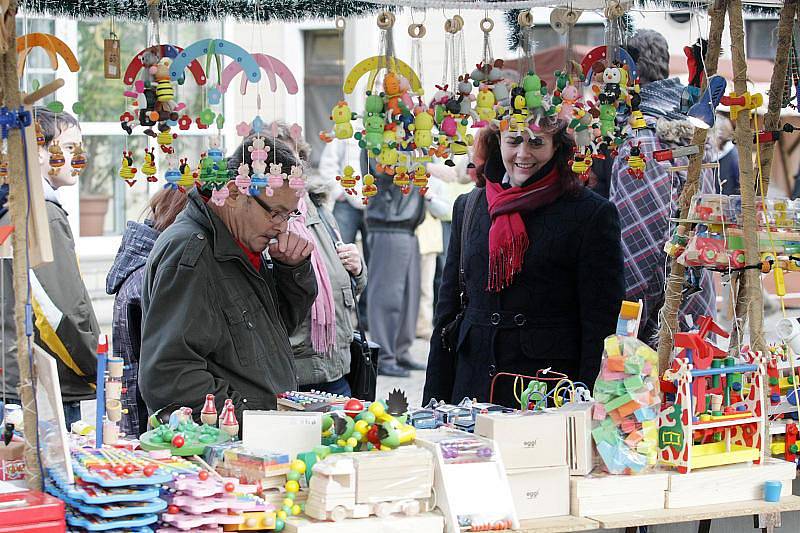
(600, 493)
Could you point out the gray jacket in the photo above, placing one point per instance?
(313, 367)
(64, 321)
(212, 324)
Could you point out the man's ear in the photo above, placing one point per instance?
(234, 196)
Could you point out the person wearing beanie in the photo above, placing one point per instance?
(646, 205)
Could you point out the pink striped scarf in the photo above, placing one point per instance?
(323, 311)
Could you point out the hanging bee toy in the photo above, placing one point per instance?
(149, 166)
(39, 135)
(56, 158)
(127, 171)
(636, 162)
(3, 168)
(78, 161)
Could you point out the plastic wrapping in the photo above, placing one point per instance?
(628, 402)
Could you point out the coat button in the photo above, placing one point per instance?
(519, 319)
(200, 236)
(495, 318)
(244, 400)
(492, 371)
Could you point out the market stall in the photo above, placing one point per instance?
(690, 432)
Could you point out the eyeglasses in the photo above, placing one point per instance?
(277, 218)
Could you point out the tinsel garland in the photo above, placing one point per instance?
(202, 10)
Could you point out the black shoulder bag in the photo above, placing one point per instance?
(363, 375)
(451, 329)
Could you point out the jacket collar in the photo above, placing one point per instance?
(312, 213)
(224, 245)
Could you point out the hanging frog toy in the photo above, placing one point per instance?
(149, 166)
(535, 91)
(165, 138)
(221, 174)
(243, 179)
(187, 176)
(371, 138)
(78, 161)
(276, 177)
(215, 148)
(389, 154)
(172, 176)
(348, 179)
(636, 162)
(422, 128)
(484, 107)
(341, 116)
(206, 174)
(421, 179)
(56, 159)
(127, 171)
(368, 190)
(297, 181)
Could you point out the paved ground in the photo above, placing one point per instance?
(411, 385)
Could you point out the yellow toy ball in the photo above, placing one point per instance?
(282, 514)
(377, 409)
(352, 442)
(296, 510)
(292, 486)
(288, 502)
(341, 443)
(298, 466)
(361, 427)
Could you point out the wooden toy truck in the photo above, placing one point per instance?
(356, 485)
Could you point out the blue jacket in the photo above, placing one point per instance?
(124, 280)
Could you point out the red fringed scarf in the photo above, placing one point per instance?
(508, 238)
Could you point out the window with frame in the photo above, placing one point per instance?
(761, 38)
(38, 71)
(324, 75)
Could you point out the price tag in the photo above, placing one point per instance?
(111, 59)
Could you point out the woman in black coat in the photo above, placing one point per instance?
(543, 275)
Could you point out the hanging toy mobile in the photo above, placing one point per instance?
(78, 160)
(56, 159)
(349, 179)
(127, 171)
(149, 166)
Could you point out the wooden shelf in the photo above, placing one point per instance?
(726, 423)
(556, 524)
(691, 514)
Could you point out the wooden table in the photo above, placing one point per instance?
(557, 524)
(690, 514)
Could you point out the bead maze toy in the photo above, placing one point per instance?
(181, 435)
(109, 392)
(310, 401)
(627, 396)
(716, 414)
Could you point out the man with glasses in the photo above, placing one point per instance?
(217, 314)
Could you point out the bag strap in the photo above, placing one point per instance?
(472, 201)
(337, 240)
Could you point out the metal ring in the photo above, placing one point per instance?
(458, 20)
(571, 17)
(340, 23)
(487, 25)
(417, 31)
(525, 19)
(385, 20)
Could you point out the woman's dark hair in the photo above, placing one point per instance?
(487, 157)
(279, 152)
(165, 205)
(53, 124)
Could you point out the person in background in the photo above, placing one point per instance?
(457, 181)
(393, 295)
(64, 321)
(124, 281)
(646, 205)
(431, 246)
(542, 271)
(216, 315)
(349, 210)
(322, 342)
(726, 154)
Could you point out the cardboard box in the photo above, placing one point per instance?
(540, 492)
(599, 493)
(528, 440)
(731, 483)
(580, 453)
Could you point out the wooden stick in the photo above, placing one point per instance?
(751, 295)
(208, 467)
(672, 295)
(41, 92)
(17, 205)
(681, 168)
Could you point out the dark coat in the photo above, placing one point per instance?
(124, 281)
(212, 324)
(556, 312)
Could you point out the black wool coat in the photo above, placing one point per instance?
(556, 312)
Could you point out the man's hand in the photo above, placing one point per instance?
(350, 258)
(291, 249)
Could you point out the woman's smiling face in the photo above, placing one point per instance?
(525, 153)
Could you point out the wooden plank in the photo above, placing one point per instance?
(40, 245)
(691, 514)
(423, 523)
(556, 524)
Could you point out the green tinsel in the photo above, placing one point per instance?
(202, 10)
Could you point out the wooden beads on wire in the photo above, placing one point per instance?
(487, 25)
(525, 19)
(340, 23)
(454, 25)
(416, 31)
(386, 20)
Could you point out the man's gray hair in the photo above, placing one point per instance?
(650, 51)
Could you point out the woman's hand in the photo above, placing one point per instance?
(350, 258)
